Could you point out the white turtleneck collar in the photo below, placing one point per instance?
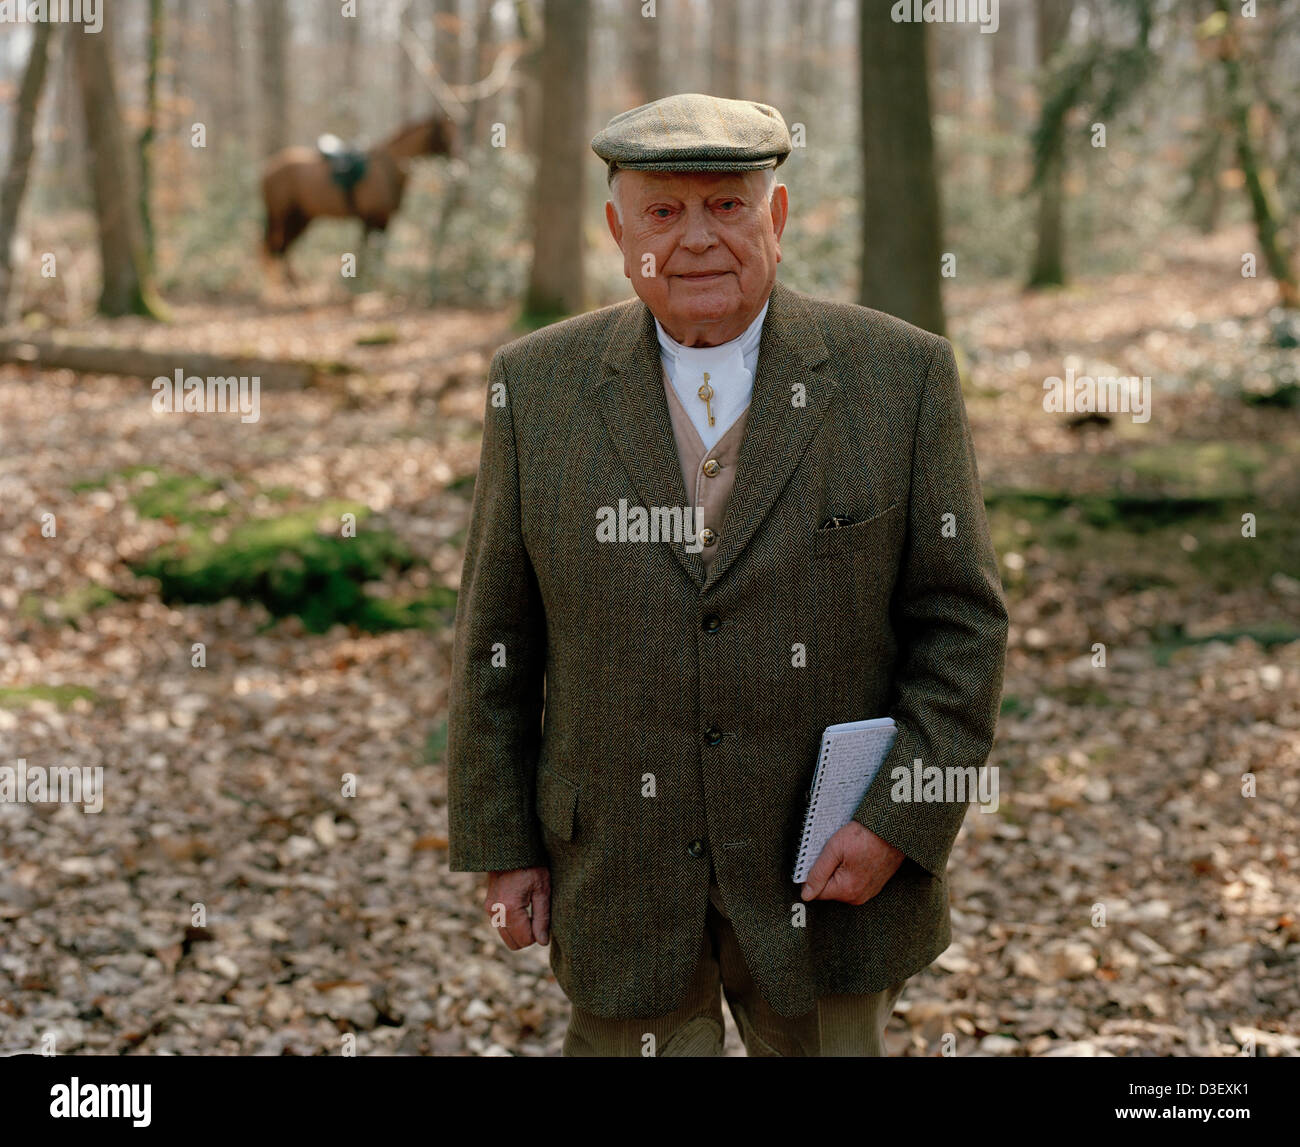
(731, 367)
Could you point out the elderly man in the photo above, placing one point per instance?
(635, 718)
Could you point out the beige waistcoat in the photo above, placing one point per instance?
(709, 475)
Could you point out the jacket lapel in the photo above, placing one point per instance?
(778, 431)
(635, 410)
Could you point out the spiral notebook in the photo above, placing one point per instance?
(850, 757)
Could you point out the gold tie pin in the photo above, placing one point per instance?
(706, 393)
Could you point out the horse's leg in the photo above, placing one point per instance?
(375, 243)
(366, 260)
(295, 223)
(381, 243)
(273, 245)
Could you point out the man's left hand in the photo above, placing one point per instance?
(853, 867)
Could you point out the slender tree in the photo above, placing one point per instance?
(402, 73)
(527, 102)
(483, 112)
(149, 133)
(1260, 181)
(556, 284)
(230, 108)
(1204, 196)
(724, 44)
(1049, 251)
(643, 45)
(447, 40)
(1100, 74)
(20, 154)
(347, 112)
(274, 74)
(901, 225)
(126, 285)
(760, 82)
(63, 156)
(1007, 116)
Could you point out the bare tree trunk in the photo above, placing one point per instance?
(528, 95)
(556, 285)
(126, 287)
(1260, 181)
(901, 225)
(724, 44)
(447, 40)
(809, 34)
(1008, 116)
(1205, 195)
(274, 68)
(401, 61)
(484, 111)
(690, 68)
(1006, 109)
(760, 81)
(64, 157)
(1049, 253)
(226, 117)
(20, 154)
(240, 79)
(800, 83)
(149, 133)
(349, 97)
(643, 41)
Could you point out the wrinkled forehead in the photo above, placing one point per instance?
(641, 186)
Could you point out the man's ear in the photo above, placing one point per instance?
(616, 229)
(780, 210)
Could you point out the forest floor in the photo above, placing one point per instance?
(1135, 892)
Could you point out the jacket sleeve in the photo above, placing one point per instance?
(498, 666)
(951, 622)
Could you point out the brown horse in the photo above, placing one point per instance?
(298, 184)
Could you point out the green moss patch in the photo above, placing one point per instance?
(1142, 542)
(292, 566)
(70, 607)
(21, 696)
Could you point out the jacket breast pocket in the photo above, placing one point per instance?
(557, 802)
(858, 536)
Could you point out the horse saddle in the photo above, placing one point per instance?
(347, 163)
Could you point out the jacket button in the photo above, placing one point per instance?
(713, 736)
(696, 848)
(712, 468)
(709, 537)
(712, 623)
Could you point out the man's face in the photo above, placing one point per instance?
(701, 248)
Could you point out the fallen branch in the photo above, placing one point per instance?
(86, 358)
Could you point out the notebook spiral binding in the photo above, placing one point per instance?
(812, 804)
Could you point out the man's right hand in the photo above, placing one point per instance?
(513, 893)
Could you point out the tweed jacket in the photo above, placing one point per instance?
(630, 719)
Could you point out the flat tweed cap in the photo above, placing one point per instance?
(693, 132)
